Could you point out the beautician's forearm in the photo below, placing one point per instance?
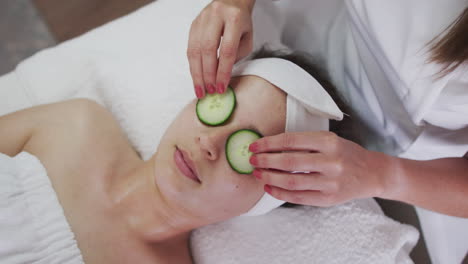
(439, 185)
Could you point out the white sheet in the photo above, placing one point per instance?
(136, 67)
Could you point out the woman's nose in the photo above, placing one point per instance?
(210, 145)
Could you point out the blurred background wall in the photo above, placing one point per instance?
(27, 26)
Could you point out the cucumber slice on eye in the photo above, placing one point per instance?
(237, 150)
(215, 109)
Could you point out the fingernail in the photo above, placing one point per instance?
(253, 147)
(257, 174)
(253, 160)
(267, 188)
(198, 91)
(220, 88)
(211, 89)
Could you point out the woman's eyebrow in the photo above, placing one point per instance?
(254, 128)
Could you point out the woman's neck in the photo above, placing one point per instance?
(137, 199)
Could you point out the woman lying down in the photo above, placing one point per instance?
(73, 190)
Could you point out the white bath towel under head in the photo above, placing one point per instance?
(33, 227)
(355, 232)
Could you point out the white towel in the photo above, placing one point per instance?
(355, 232)
(33, 227)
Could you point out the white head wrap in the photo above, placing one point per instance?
(308, 106)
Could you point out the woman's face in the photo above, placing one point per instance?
(221, 193)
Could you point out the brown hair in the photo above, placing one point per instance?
(451, 49)
(345, 128)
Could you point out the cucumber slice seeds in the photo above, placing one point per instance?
(215, 109)
(237, 150)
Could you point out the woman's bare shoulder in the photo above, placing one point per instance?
(75, 133)
(69, 122)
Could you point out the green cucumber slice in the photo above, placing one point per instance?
(215, 109)
(237, 150)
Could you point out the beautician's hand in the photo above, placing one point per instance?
(340, 170)
(223, 24)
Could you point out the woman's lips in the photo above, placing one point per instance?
(185, 165)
